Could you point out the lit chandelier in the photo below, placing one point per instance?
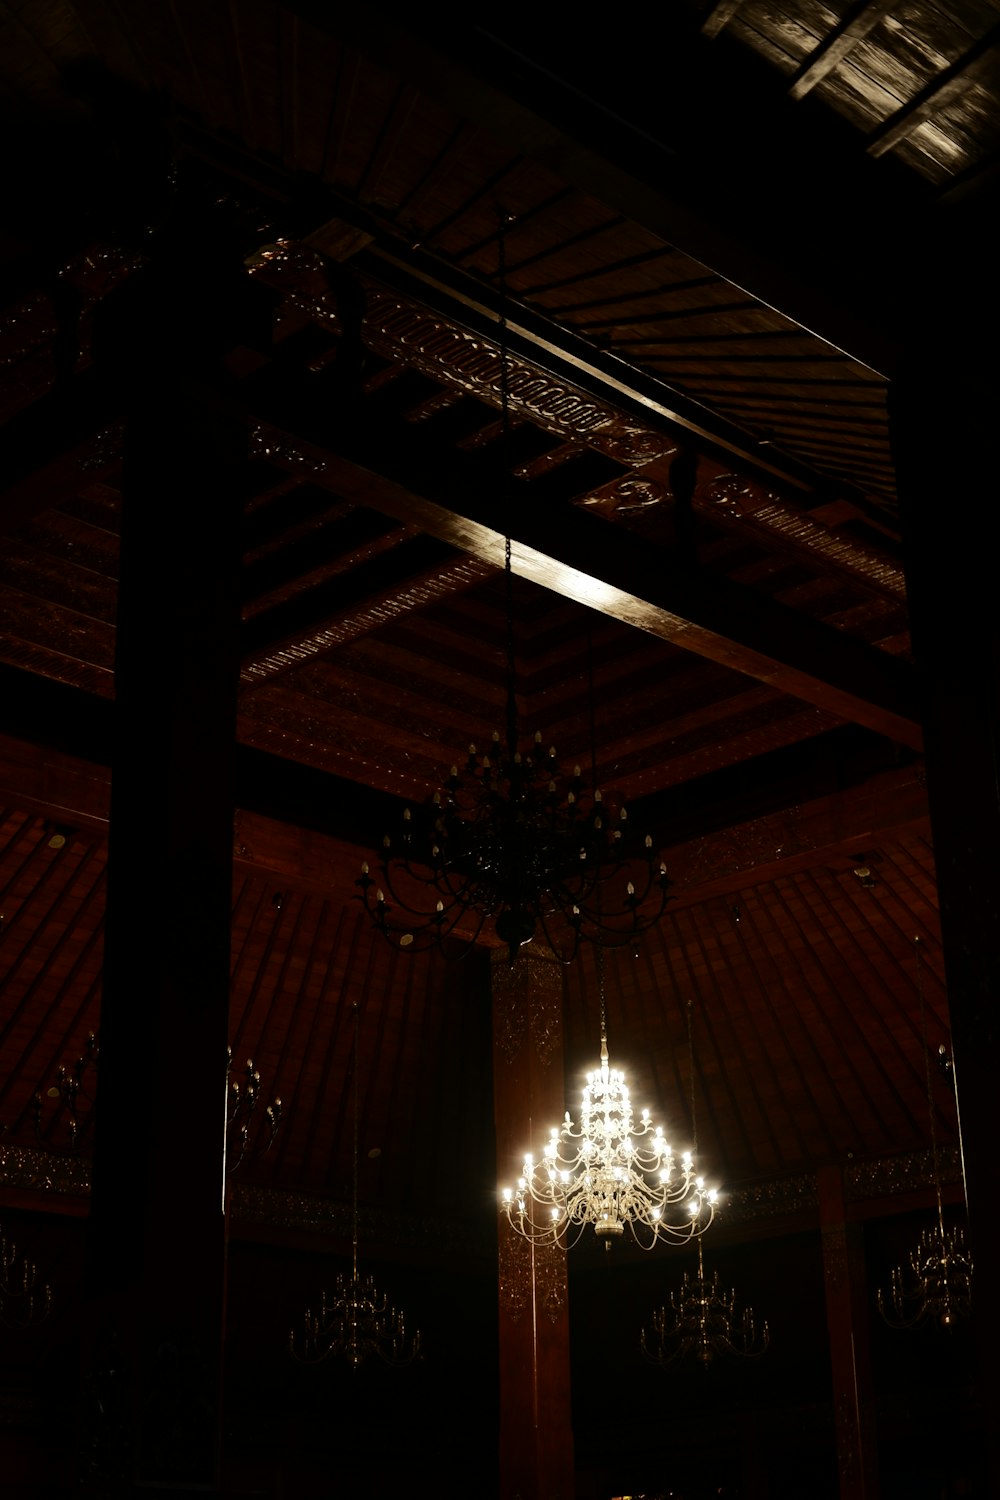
(702, 1320)
(512, 843)
(610, 1172)
(357, 1322)
(937, 1285)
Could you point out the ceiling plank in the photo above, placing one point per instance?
(648, 180)
(942, 88)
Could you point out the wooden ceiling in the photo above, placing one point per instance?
(714, 250)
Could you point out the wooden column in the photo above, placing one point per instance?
(151, 1413)
(536, 1436)
(847, 1315)
(943, 429)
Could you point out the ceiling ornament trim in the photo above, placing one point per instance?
(525, 1268)
(27, 1167)
(468, 362)
(527, 1003)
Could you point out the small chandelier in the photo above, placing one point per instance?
(510, 842)
(611, 1172)
(937, 1285)
(241, 1108)
(702, 1320)
(22, 1301)
(75, 1103)
(357, 1322)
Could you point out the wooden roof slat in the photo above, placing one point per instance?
(719, 16)
(940, 90)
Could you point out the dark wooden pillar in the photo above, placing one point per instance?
(151, 1413)
(536, 1435)
(847, 1317)
(943, 407)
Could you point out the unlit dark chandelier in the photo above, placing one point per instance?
(511, 842)
(72, 1093)
(356, 1322)
(22, 1300)
(702, 1320)
(241, 1112)
(507, 842)
(611, 1172)
(936, 1284)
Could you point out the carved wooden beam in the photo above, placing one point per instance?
(461, 501)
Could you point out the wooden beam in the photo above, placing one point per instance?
(719, 16)
(571, 552)
(836, 46)
(348, 605)
(942, 88)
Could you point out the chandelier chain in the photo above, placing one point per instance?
(700, 1318)
(357, 1322)
(509, 844)
(938, 1281)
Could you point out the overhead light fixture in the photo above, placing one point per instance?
(936, 1284)
(73, 1088)
(613, 1173)
(510, 843)
(702, 1320)
(356, 1321)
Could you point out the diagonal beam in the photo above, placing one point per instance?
(975, 64)
(836, 46)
